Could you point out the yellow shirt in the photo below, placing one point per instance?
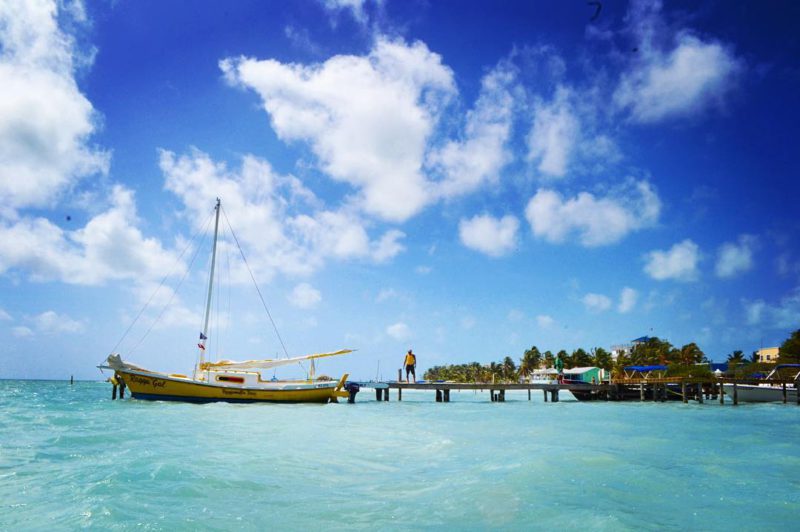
(411, 360)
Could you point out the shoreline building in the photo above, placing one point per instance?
(627, 349)
(768, 355)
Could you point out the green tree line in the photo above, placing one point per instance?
(654, 351)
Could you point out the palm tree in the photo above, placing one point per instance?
(601, 358)
(735, 359)
(509, 369)
(581, 358)
(690, 354)
(530, 361)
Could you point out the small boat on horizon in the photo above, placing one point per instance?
(227, 380)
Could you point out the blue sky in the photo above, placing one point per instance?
(464, 178)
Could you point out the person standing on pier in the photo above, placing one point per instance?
(411, 365)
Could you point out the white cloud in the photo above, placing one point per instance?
(50, 322)
(515, 315)
(423, 270)
(627, 300)
(388, 246)
(678, 263)
(109, 247)
(492, 236)
(399, 331)
(386, 294)
(22, 331)
(544, 321)
(733, 259)
(468, 322)
(784, 314)
(268, 212)
(555, 132)
(597, 221)
(481, 154)
(596, 302)
(305, 296)
(5, 316)
(355, 7)
(754, 311)
(367, 119)
(681, 80)
(45, 121)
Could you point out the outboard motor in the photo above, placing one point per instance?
(352, 389)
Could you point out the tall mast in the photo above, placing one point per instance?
(211, 279)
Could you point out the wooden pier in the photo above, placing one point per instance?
(497, 391)
(662, 389)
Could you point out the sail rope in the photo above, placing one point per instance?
(166, 306)
(263, 302)
(161, 284)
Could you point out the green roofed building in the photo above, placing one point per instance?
(588, 375)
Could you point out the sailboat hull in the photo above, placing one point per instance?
(157, 387)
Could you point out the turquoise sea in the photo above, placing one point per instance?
(71, 458)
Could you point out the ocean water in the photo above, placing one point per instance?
(72, 458)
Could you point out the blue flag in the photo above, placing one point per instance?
(203, 336)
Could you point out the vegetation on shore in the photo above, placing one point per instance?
(679, 361)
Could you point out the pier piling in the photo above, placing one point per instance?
(446, 395)
(545, 395)
(784, 393)
(438, 396)
(735, 394)
(641, 391)
(683, 393)
(721, 394)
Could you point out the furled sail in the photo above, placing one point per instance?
(267, 363)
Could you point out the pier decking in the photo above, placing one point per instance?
(651, 389)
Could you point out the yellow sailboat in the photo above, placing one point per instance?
(227, 380)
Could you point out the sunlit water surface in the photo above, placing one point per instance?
(70, 457)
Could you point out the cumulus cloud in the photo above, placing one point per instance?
(355, 7)
(305, 296)
(21, 331)
(385, 294)
(735, 258)
(45, 121)
(596, 302)
(270, 213)
(50, 322)
(515, 315)
(479, 156)
(4, 316)
(544, 321)
(678, 263)
(627, 300)
(785, 314)
(596, 221)
(367, 119)
(399, 331)
(109, 247)
(676, 80)
(554, 135)
(492, 236)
